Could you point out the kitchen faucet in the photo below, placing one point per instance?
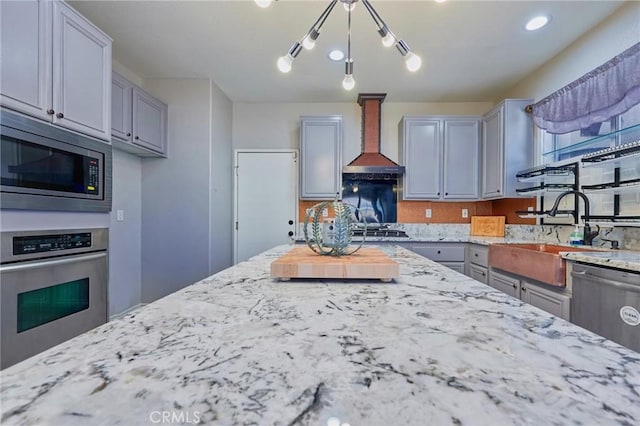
(589, 235)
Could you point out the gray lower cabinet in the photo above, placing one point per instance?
(56, 66)
(553, 300)
(450, 255)
(441, 156)
(477, 262)
(138, 120)
(507, 147)
(320, 157)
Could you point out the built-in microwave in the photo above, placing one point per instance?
(43, 167)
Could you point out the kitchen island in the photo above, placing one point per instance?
(432, 348)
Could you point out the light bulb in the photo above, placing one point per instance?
(388, 40)
(413, 62)
(263, 3)
(348, 83)
(308, 42)
(349, 6)
(284, 63)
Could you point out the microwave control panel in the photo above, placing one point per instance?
(48, 243)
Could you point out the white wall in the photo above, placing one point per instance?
(125, 238)
(277, 125)
(176, 193)
(615, 34)
(221, 187)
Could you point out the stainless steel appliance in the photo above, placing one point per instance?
(53, 286)
(607, 302)
(46, 168)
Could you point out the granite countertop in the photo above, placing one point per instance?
(629, 260)
(435, 347)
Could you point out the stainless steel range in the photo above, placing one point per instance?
(53, 286)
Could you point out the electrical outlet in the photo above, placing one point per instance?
(120, 215)
(427, 213)
(465, 213)
(530, 208)
(325, 213)
(309, 212)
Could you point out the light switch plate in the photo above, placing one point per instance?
(427, 213)
(120, 215)
(465, 212)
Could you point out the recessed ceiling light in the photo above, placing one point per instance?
(440, 1)
(336, 55)
(537, 23)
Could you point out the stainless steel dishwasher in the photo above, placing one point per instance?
(607, 302)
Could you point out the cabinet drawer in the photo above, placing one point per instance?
(454, 253)
(479, 273)
(479, 255)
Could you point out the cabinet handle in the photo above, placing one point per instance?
(438, 251)
(524, 289)
(60, 115)
(50, 112)
(128, 134)
(475, 254)
(290, 222)
(514, 286)
(291, 233)
(438, 194)
(497, 190)
(482, 273)
(446, 193)
(137, 137)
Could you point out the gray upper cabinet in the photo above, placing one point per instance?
(461, 158)
(56, 65)
(440, 154)
(420, 151)
(121, 93)
(149, 121)
(507, 147)
(320, 157)
(139, 121)
(25, 68)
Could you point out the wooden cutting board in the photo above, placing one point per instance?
(487, 226)
(366, 263)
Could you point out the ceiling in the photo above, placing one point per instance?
(471, 50)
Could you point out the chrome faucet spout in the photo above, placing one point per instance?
(589, 235)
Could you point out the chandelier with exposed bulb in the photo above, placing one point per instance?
(284, 63)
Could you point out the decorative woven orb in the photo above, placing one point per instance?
(331, 236)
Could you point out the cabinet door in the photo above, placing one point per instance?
(121, 94)
(421, 149)
(149, 121)
(81, 74)
(25, 68)
(557, 304)
(493, 154)
(461, 151)
(321, 157)
(456, 266)
(505, 283)
(479, 273)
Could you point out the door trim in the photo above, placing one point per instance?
(236, 153)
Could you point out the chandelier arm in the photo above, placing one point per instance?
(315, 28)
(382, 26)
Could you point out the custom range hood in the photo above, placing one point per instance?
(371, 163)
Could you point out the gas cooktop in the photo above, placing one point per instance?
(377, 232)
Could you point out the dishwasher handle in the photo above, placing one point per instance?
(584, 275)
(51, 262)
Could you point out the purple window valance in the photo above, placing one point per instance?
(607, 91)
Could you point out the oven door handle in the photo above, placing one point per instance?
(51, 262)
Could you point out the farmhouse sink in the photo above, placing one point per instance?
(541, 262)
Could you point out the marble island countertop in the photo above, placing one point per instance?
(433, 348)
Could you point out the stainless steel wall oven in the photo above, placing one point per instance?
(46, 168)
(53, 286)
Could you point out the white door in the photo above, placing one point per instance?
(266, 200)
